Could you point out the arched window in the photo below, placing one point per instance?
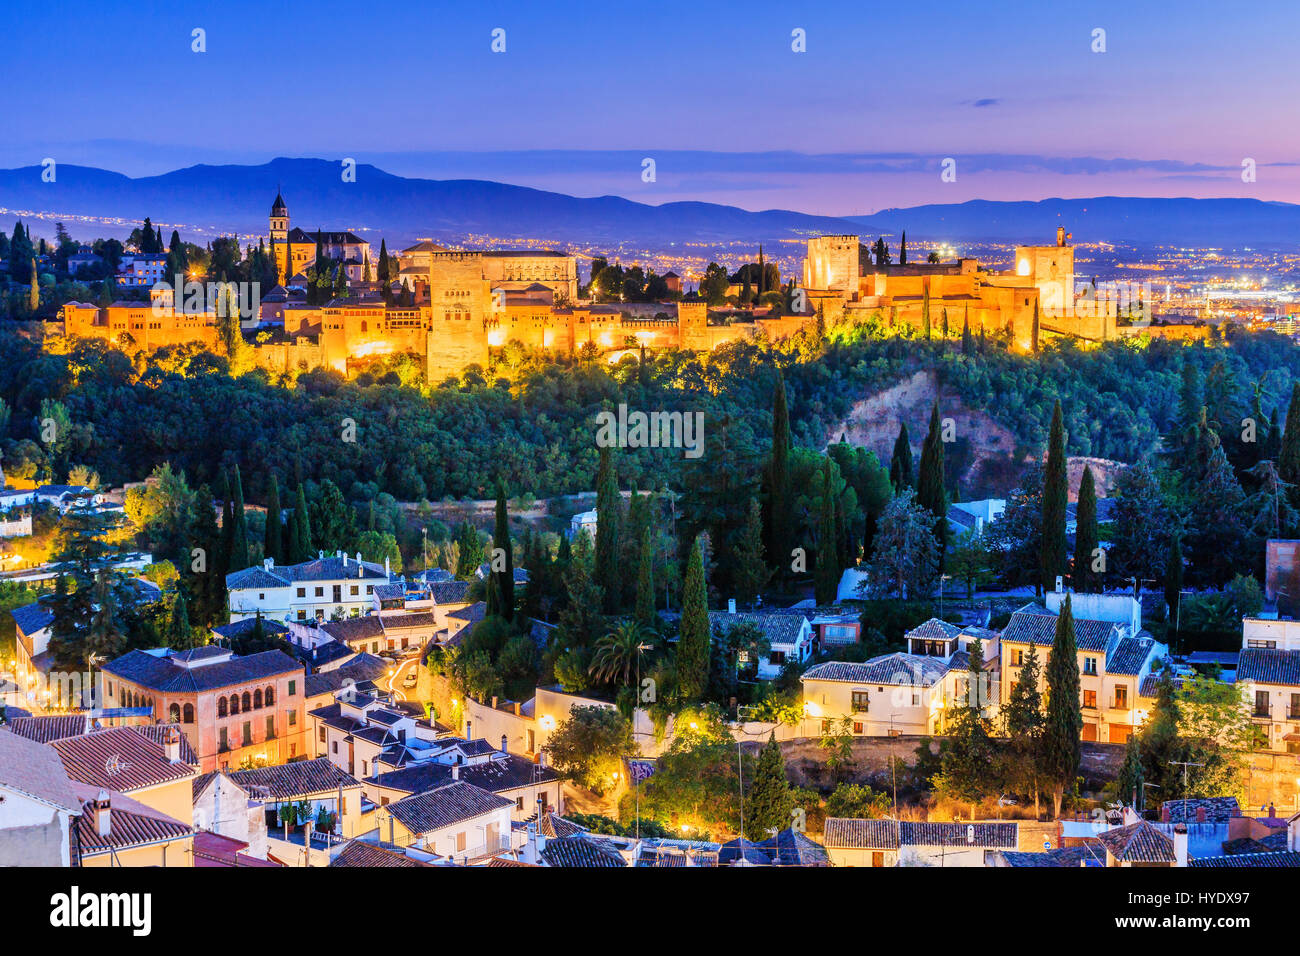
(234, 703)
(189, 714)
(257, 699)
(174, 714)
(270, 697)
(247, 702)
(222, 709)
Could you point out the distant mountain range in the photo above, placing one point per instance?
(207, 200)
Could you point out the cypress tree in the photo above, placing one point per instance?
(925, 311)
(1037, 328)
(645, 587)
(1288, 462)
(1055, 496)
(209, 585)
(826, 580)
(608, 521)
(34, 294)
(1064, 724)
(770, 802)
(752, 572)
(902, 249)
(967, 343)
(1129, 784)
(1022, 724)
(179, 635)
(900, 461)
(227, 528)
(694, 643)
(239, 547)
(1085, 537)
(273, 541)
(930, 491)
(303, 536)
(505, 579)
(779, 543)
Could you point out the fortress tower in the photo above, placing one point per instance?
(1051, 268)
(279, 232)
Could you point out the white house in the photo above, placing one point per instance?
(888, 842)
(790, 635)
(323, 588)
(39, 804)
(1268, 671)
(456, 820)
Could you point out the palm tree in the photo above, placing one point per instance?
(617, 652)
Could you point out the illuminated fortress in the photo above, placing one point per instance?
(454, 305)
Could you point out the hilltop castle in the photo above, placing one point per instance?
(460, 303)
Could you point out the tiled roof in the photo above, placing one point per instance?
(131, 824)
(32, 617)
(1269, 666)
(1066, 856)
(1128, 656)
(1217, 809)
(792, 848)
(43, 730)
(291, 780)
(845, 833)
(778, 628)
(498, 774)
(354, 628)
(1138, 843)
(317, 569)
(359, 853)
(360, 669)
(996, 836)
(934, 630)
(445, 806)
(119, 758)
(35, 770)
(156, 733)
(1251, 860)
(1033, 624)
(552, 825)
(245, 626)
(163, 675)
(213, 849)
(579, 851)
(898, 669)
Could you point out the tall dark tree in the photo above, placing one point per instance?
(239, 545)
(645, 583)
(827, 577)
(1055, 497)
(1084, 578)
(302, 527)
(769, 803)
(900, 461)
(930, 491)
(273, 542)
(1061, 748)
(778, 518)
(1022, 724)
(207, 580)
(693, 645)
(503, 564)
(752, 573)
(1174, 577)
(609, 520)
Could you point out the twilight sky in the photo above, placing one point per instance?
(712, 92)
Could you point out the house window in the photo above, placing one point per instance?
(302, 592)
(1261, 703)
(1018, 657)
(336, 747)
(1268, 645)
(519, 804)
(857, 726)
(460, 841)
(293, 687)
(1294, 712)
(248, 733)
(320, 592)
(270, 697)
(221, 707)
(322, 735)
(270, 728)
(355, 589)
(174, 714)
(1089, 698)
(223, 741)
(861, 702)
(293, 718)
(1090, 665)
(189, 714)
(1121, 696)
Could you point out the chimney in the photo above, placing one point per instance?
(455, 771)
(388, 572)
(342, 554)
(358, 557)
(541, 759)
(1200, 814)
(172, 744)
(1180, 844)
(731, 605)
(101, 811)
(268, 564)
(494, 701)
(504, 748)
(1272, 810)
(468, 730)
(1060, 584)
(1164, 813)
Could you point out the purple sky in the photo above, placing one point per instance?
(712, 92)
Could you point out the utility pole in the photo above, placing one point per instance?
(636, 774)
(893, 764)
(1184, 764)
